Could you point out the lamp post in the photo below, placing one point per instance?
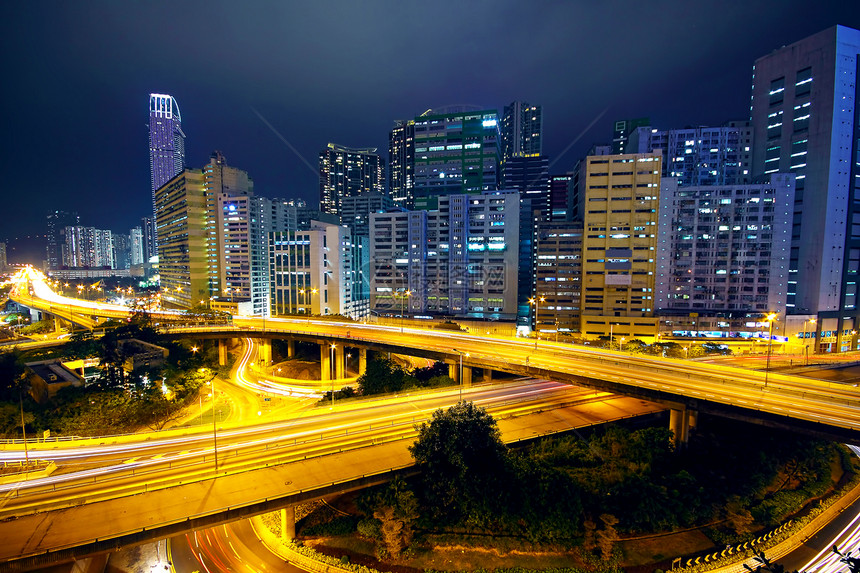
(403, 296)
(460, 352)
(610, 336)
(211, 382)
(769, 318)
(805, 343)
(536, 301)
(332, 366)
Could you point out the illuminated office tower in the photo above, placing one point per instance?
(401, 162)
(3, 257)
(522, 130)
(166, 142)
(558, 278)
(699, 155)
(136, 246)
(147, 226)
(58, 221)
(722, 254)
(220, 179)
(355, 211)
(346, 172)
(459, 259)
(457, 151)
(318, 271)
(182, 222)
(806, 121)
(619, 198)
(121, 250)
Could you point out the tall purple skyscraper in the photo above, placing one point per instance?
(166, 142)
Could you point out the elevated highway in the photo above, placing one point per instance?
(820, 408)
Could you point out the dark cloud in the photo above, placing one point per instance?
(77, 79)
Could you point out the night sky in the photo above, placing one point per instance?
(77, 79)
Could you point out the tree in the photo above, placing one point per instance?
(383, 375)
(463, 461)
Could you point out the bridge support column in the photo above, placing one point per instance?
(264, 351)
(222, 352)
(679, 424)
(288, 523)
(488, 375)
(339, 362)
(692, 420)
(57, 325)
(291, 349)
(454, 372)
(362, 361)
(467, 376)
(325, 362)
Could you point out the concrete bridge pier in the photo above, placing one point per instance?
(454, 372)
(362, 361)
(679, 423)
(325, 361)
(288, 523)
(467, 376)
(264, 352)
(291, 349)
(488, 375)
(222, 352)
(339, 362)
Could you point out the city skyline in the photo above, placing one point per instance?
(84, 74)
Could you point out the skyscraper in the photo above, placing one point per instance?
(345, 172)
(136, 246)
(456, 152)
(806, 121)
(401, 162)
(58, 221)
(522, 130)
(166, 142)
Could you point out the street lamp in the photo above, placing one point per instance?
(402, 296)
(211, 382)
(770, 318)
(610, 336)
(535, 301)
(332, 366)
(460, 352)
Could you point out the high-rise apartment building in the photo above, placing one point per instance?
(3, 262)
(522, 130)
(58, 221)
(620, 195)
(355, 211)
(220, 179)
(806, 121)
(318, 271)
(621, 131)
(136, 246)
(87, 247)
(166, 142)
(401, 162)
(182, 221)
(346, 172)
(121, 250)
(458, 260)
(457, 151)
(147, 225)
(722, 252)
(558, 274)
(699, 155)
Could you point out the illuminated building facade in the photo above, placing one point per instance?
(620, 195)
(166, 142)
(723, 253)
(319, 271)
(458, 260)
(220, 179)
(700, 155)
(401, 162)
(87, 247)
(355, 211)
(457, 151)
(806, 121)
(346, 172)
(182, 221)
(522, 130)
(136, 246)
(58, 221)
(558, 274)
